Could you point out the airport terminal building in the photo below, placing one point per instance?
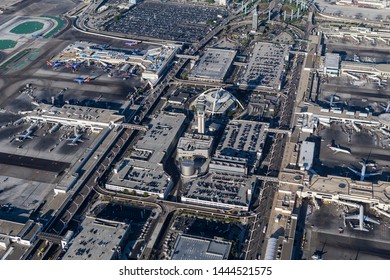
(72, 115)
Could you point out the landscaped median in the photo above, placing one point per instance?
(7, 44)
(60, 24)
(27, 27)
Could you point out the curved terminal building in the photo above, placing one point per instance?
(217, 101)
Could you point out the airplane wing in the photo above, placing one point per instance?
(352, 217)
(373, 174)
(368, 219)
(354, 171)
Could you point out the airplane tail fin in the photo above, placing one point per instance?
(48, 63)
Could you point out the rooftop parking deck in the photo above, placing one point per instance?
(213, 65)
(222, 190)
(244, 139)
(266, 66)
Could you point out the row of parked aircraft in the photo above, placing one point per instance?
(28, 134)
(74, 66)
(364, 163)
(55, 64)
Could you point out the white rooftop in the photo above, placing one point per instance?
(97, 240)
(332, 60)
(162, 132)
(306, 155)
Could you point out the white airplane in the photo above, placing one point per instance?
(27, 135)
(363, 173)
(75, 140)
(22, 137)
(362, 219)
(386, 107)
(337, 149)
(332, 102)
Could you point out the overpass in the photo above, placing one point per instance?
(201, 83)
(54, 238)
(267, 178)
(134, 126)
(240, 64)
(278, 130)
(298, 52)
(187, 56)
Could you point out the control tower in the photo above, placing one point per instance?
(255, 18)
(200, 114)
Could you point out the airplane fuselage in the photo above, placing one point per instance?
(335, 149)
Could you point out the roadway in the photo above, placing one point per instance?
(202, 83)
(254, 248)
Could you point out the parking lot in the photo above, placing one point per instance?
(266, 66)
(150, 19)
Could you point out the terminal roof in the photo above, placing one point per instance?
(76, 113)
(141, 175)
(194, 248)
(98, 240)
(162, 132)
